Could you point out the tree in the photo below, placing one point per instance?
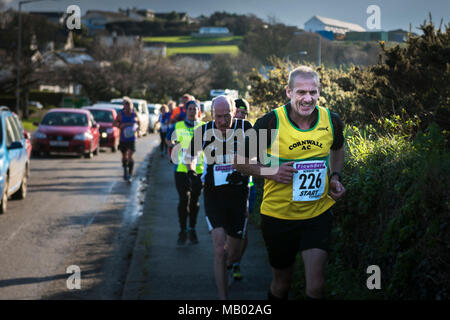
(36, 33)
(414, 78)
(269, 40)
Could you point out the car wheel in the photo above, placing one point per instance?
(4, 198)
(22, 192)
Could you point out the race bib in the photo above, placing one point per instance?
(221, 172)
(309, 182)
(128, 132)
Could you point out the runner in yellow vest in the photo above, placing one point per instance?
(305, 153)
(189, 186)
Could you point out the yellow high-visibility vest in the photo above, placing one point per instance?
(307, 196)
(184, 136)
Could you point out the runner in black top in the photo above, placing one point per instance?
(225, 189)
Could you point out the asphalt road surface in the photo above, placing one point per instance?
(79, 215)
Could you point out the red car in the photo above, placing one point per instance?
(67, 131)
(105, 116)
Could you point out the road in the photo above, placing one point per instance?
(78, 212)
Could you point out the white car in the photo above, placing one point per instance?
(153, 116)
(141, 109)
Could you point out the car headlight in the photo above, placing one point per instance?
(39, 135)
(104, 134)
(83, 136)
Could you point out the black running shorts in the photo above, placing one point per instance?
(127, 145)
(226, 209)
(285, 238)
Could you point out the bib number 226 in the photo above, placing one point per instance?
(308, 183)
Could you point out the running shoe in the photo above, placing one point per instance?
(193, 236)
(182, 237)
(237, 272)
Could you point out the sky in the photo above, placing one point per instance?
(394, 14)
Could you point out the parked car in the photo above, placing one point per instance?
(105, 115)
(154, 111)
(67, 130)
(140, 107)
(14, 160)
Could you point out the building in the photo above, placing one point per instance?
(118, 40)
(63, 59)
(139, 14)
(367, 36)
(318, 23)
(213, 32)
(399, 35)
(158, 49)
(96, 20)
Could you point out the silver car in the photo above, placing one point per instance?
(153, 116)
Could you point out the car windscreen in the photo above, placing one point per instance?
(65, 119)
(102, 115)
(135, 104)
(151, 109)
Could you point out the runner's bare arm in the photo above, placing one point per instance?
(337, 159)
(117, 121)
(336, 165)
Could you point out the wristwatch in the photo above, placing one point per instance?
(335, 173)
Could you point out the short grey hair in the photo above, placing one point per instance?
(227, 98)
(305, 73)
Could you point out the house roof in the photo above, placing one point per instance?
(338, 23)
(66, 57)
(75, 57)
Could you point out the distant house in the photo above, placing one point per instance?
(318, 23)
(63, 59)
(398, 35)
(158, 49)
(96, 20)
(213, 32)
(115, 40)
(138, 14)
(393, 35)
(367, 36)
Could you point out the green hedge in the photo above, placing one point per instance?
(394, 215)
